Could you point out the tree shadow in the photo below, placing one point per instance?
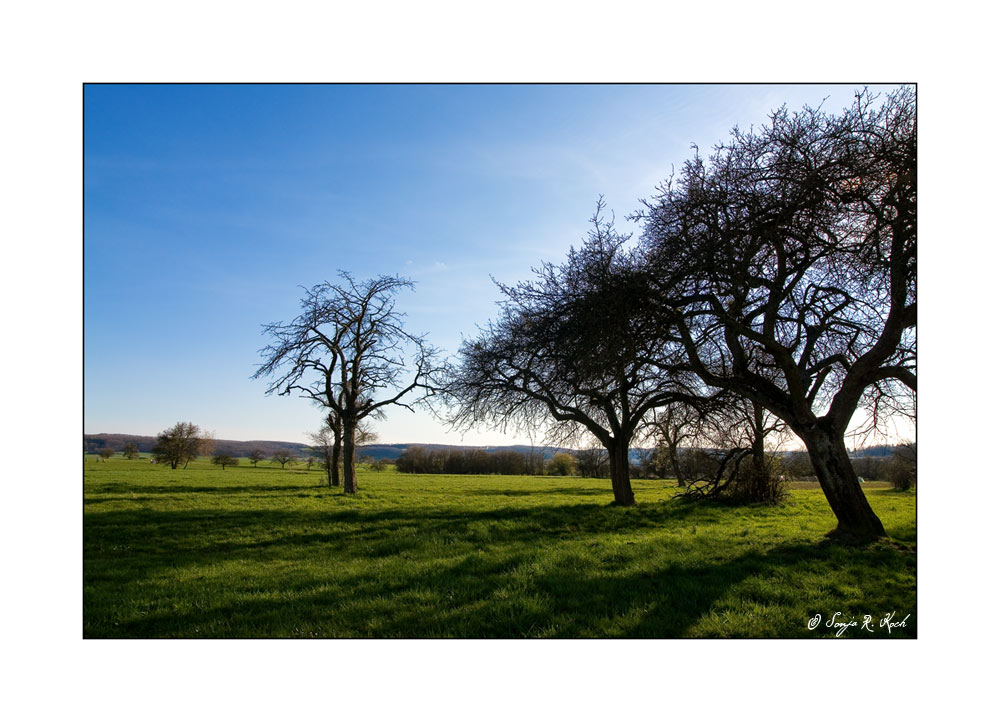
(500, 573)
(472, 598)
(538, 492)
(169, 489)
(207, 534)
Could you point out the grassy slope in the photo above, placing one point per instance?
(264, 553)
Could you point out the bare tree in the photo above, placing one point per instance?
(328, 448)
(672, 427)
(576, 351)
(283, 457)
(786, 267)
(256, 456)
(179, 444)
(348, 352)
(106, 453)
(736, 434)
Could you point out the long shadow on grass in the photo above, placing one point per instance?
(545, 570)
(173, 538)
(477, 597)
(538, 492)
(169, 489)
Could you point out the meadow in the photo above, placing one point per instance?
(261, 552)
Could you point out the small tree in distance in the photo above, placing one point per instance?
(256, 456)
(106, 453)
(283, 457)
(131, 451)
(224, 460)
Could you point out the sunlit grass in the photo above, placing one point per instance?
(268, 553)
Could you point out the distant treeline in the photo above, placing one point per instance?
(421, 460)
(871, 463)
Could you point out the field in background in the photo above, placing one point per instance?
(263, 552)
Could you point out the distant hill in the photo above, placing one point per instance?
(92, 443)
(95, 442)
(392, 451)
(881, 450)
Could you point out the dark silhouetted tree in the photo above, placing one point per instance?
(348, 352)
(576, 351)
(786, 267)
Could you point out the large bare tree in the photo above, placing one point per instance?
(348, 352)
(786, 267)
(573, 352)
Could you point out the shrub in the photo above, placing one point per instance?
(561, 464)
(901, 474)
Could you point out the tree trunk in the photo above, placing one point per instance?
(675, 463)
(620, 483)
(832, 464)
(334, 468)
(759, 476)
(350, 480)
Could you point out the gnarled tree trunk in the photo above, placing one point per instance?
(675, 463)
(350, 479)
(832, 465)
(333, 471)
(620, 482)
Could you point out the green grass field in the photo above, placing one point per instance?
(268, 553)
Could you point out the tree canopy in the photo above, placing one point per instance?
(785, 266)
(576, 351)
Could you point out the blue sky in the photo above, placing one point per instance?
(205, 207)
